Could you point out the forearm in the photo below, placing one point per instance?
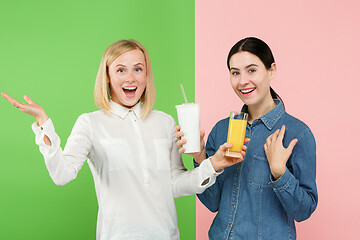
(189, 182)
(60, 167)
(298, 201)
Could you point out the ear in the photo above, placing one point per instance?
(272, 71)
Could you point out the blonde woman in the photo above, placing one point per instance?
(131, 150)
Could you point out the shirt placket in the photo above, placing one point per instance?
(234, 200)
(141, 149)
(235, 195)
(236, 191)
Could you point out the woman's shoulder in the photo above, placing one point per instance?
(291, 120)
(154, 113)
(159, 113)
(223, 123)
(92, 116)
(296, 126)
(160, 116)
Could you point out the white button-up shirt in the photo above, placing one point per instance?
(136, 167)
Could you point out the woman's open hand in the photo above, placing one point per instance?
(32, 108)
(276, 154)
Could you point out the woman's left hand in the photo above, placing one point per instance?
(276, 154)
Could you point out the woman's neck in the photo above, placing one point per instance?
(260, 109)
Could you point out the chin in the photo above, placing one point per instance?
(130, 105)
(248, 102)
(126, 102)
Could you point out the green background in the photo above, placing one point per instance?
(51, 51)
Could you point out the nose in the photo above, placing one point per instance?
(130, 77)
(243, 80)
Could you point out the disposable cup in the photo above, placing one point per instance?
(189, 121)
(236, 133)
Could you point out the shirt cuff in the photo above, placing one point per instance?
(208, 173)
(283, 182)
(209, 169)
(47, 128)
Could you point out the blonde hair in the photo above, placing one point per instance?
(102, 91)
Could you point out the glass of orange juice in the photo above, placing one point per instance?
(236, 133)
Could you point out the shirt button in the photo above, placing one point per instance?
(236, 187)
(234, 206)
(130, 110)
(273, 185)
(229, 224)
(238, 167)
(41, 128)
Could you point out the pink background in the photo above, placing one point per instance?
(316, 48)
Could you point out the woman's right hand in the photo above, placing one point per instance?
(219, 160)
(198, 156)
(32, 108)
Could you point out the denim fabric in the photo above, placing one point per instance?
(249, 203)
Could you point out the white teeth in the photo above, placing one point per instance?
(247, 90)
(130, 88)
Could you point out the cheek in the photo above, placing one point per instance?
(233, 83)
(264, 83)
(115, 80)
(142, 81)
(112, 84)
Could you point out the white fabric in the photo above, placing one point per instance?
(136, 167)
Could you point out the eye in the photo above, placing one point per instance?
(235, 73)
(138, 69)
(121, 70)
(252, 70)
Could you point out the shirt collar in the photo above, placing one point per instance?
(122, 111)
(271, 117)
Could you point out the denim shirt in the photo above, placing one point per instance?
(250, 204)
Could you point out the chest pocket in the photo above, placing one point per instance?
(259, 172)
(118, 155)
(163, 154)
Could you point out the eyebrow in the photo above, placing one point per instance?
(251, 65)
(121, 65)
(248, 66)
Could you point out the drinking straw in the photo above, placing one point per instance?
(183, 92)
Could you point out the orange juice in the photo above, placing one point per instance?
(236, 134)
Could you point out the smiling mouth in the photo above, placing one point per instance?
(129, 91)
(246, 91)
